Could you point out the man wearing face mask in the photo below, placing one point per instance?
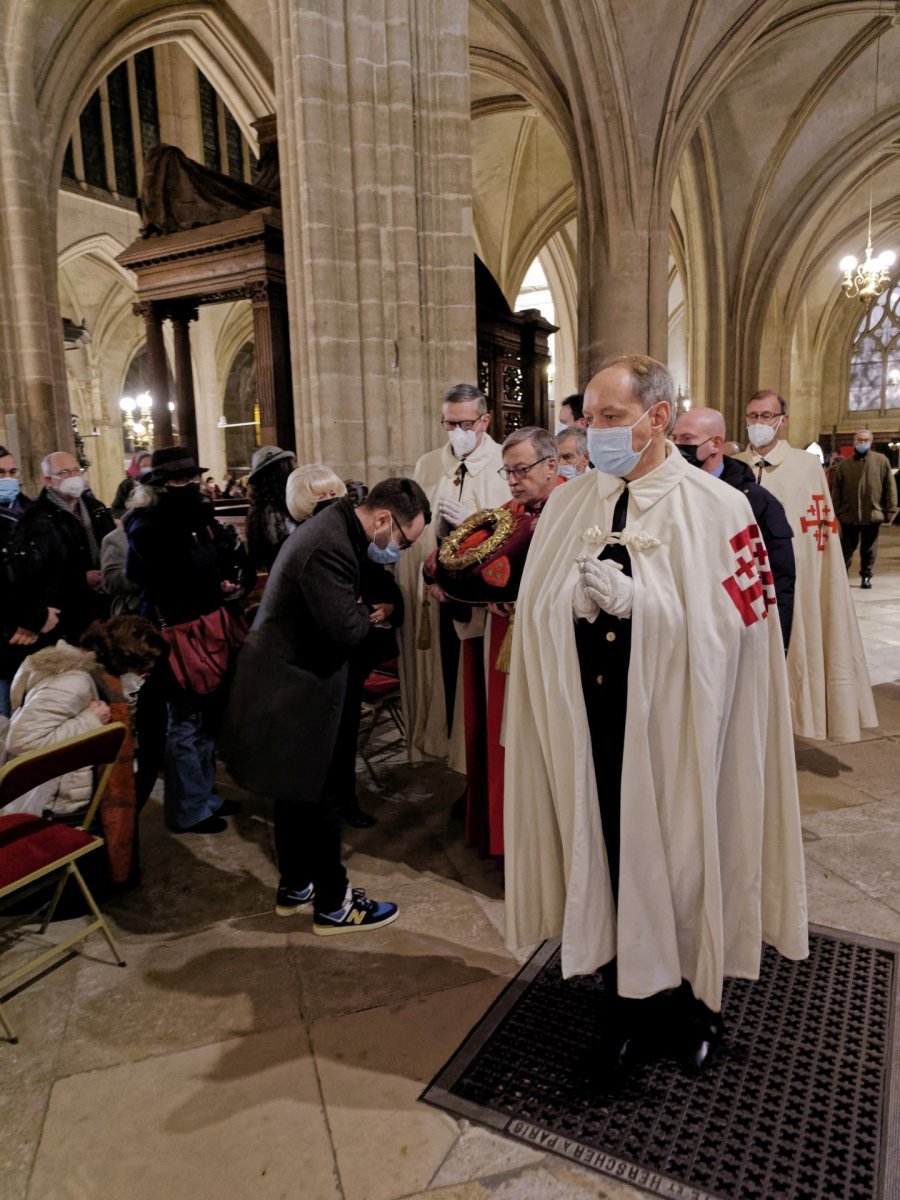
(15, 642)
(831, 696)
(458, 478)
(571, 445)
(652, 815)
(699, 435)
(54, 555)
(284, 712)
(865, 497)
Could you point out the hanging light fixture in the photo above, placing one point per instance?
(867, 280)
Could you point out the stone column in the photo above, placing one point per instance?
(374, 122)
(273, 367)
(159, 373)
(181, 318)
(33, 389)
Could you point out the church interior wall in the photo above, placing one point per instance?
(537, 132)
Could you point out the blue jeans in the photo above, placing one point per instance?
(5, 685)
(189, 795)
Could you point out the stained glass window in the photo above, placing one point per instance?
(875, 357)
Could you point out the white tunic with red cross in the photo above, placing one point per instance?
(829, 683)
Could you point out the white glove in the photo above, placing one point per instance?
(450, 514)
(602, 585)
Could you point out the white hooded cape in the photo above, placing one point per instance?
(831, 696)
(421, 673)
(711, 850)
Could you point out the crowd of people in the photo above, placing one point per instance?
(622, 715)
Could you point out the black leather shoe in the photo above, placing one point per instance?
(700, 1042)
(608, 1068)
(356, 818)
(229, 808)
(866, 582)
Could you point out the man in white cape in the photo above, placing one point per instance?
(459, 478)
(696, 811)
(831, 696)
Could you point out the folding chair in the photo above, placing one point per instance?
(33, 850)
(381, 704)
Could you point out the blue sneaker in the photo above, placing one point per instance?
(358, 914)
(293, 900)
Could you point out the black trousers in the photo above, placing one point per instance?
(867, 537)
(308, 847)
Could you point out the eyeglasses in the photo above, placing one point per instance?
(404, 542)
(66, 473)
(764, 416)
(521, 472)
(467, 425)
(12, 473)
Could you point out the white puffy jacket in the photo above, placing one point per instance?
(50, 695)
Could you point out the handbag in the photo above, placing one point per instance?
(202, 651)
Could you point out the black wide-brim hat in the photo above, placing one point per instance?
(171, 462)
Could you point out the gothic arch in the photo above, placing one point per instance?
(95, 42)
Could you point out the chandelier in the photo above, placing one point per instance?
(867, 280)
(137, 421)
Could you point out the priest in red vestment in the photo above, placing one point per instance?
(530, 462)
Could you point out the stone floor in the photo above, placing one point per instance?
(239, 1057)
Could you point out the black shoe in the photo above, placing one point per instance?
(701, 1039)
(458, 811)
(229, 808)
(356, 818)
(212, 824)
(290, 900)
(866, 582)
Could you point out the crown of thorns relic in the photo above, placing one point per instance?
(482, 559)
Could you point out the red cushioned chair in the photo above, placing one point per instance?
(35, 851)
(381, 705)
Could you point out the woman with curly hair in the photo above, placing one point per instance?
(268, 521)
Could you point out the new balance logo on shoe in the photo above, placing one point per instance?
(358, 915)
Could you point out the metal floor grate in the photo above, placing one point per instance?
(797, 1106)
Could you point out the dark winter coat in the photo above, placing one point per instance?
(49, 556)
(776, 533)
(10, 656)
(179, 555)
(864, 492)
(286, 699)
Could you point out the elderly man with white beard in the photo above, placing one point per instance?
(652, 816)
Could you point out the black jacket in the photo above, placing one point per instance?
(179, 555)
(285, 704)
(49, 555)
(776, 532)
(10, 656)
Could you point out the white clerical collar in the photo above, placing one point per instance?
(772, 456)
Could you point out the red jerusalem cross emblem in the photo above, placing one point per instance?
(751, 587)
(819, 521)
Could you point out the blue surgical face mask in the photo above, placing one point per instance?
(611, 451)
(385, 555)
(9, 490)
(567, 470)
(860, 448)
